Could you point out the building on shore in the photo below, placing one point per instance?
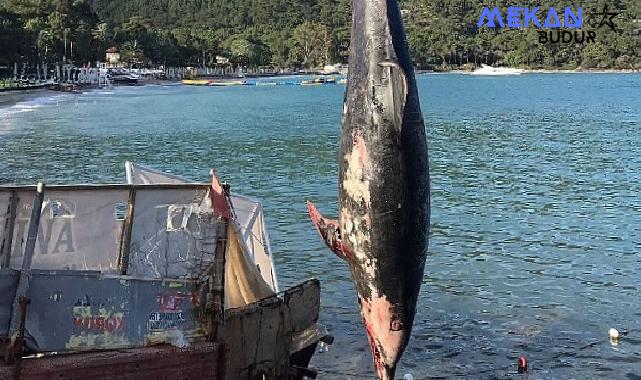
(112, 57)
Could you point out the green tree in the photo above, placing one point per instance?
(131, 52)
(246, 51)
(311, 43)
(303, 32)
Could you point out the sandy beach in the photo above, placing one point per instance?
(583, 71)
(10, 98)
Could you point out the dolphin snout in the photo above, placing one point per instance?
(386, 334)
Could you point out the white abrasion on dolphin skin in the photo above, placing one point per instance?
(357, 227)
(359, 239)
(356, 181)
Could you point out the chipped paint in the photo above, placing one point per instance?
(106, 340)
(103, 320)
(175, 337)
(173, 301)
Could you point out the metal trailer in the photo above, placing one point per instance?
(128, 281)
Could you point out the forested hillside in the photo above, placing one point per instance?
(441, 33)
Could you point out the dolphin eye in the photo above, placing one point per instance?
(396, 325)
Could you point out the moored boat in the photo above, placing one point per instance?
(126, 78)
(319, 81)
(197, 82)
(211, 82)
(489, 70)
(229, 83)
(67, 87)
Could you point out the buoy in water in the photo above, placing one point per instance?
(614, 336)
(522, 364)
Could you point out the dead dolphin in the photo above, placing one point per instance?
(383, 181)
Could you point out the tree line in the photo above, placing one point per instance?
(441, 34)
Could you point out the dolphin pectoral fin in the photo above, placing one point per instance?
(329, 230)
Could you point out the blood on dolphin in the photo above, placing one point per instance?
(382, 228)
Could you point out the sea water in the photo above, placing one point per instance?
(535, 240)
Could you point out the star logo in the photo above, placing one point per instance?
(607, 18)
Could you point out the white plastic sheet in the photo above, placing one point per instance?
(79, 229)
(248, 212)
(174, 233)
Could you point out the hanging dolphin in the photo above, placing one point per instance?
(383, 181)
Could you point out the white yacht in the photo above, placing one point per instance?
(489, 70)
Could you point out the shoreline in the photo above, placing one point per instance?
(13, 97)
(542, 71)
(9, 98)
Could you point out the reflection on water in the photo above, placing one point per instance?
(536, 213)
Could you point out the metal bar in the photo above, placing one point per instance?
(34, 224)
(32, 236)
(197, 361)
(220, 261)
(222, 254)
(125, 236)
(216, 294)
(117, 186)
(5, 252)
(18, 346)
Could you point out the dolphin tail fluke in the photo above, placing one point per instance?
(329, 230)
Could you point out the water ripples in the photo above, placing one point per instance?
(536, 214)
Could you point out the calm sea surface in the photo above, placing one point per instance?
(536, 205)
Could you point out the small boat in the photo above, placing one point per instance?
(319, 81)
(229, 83)
(127, 78)
(211, 82)
(158, 277)
(489, 70)
(342, 81)
(197, 82)
(67, 87)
